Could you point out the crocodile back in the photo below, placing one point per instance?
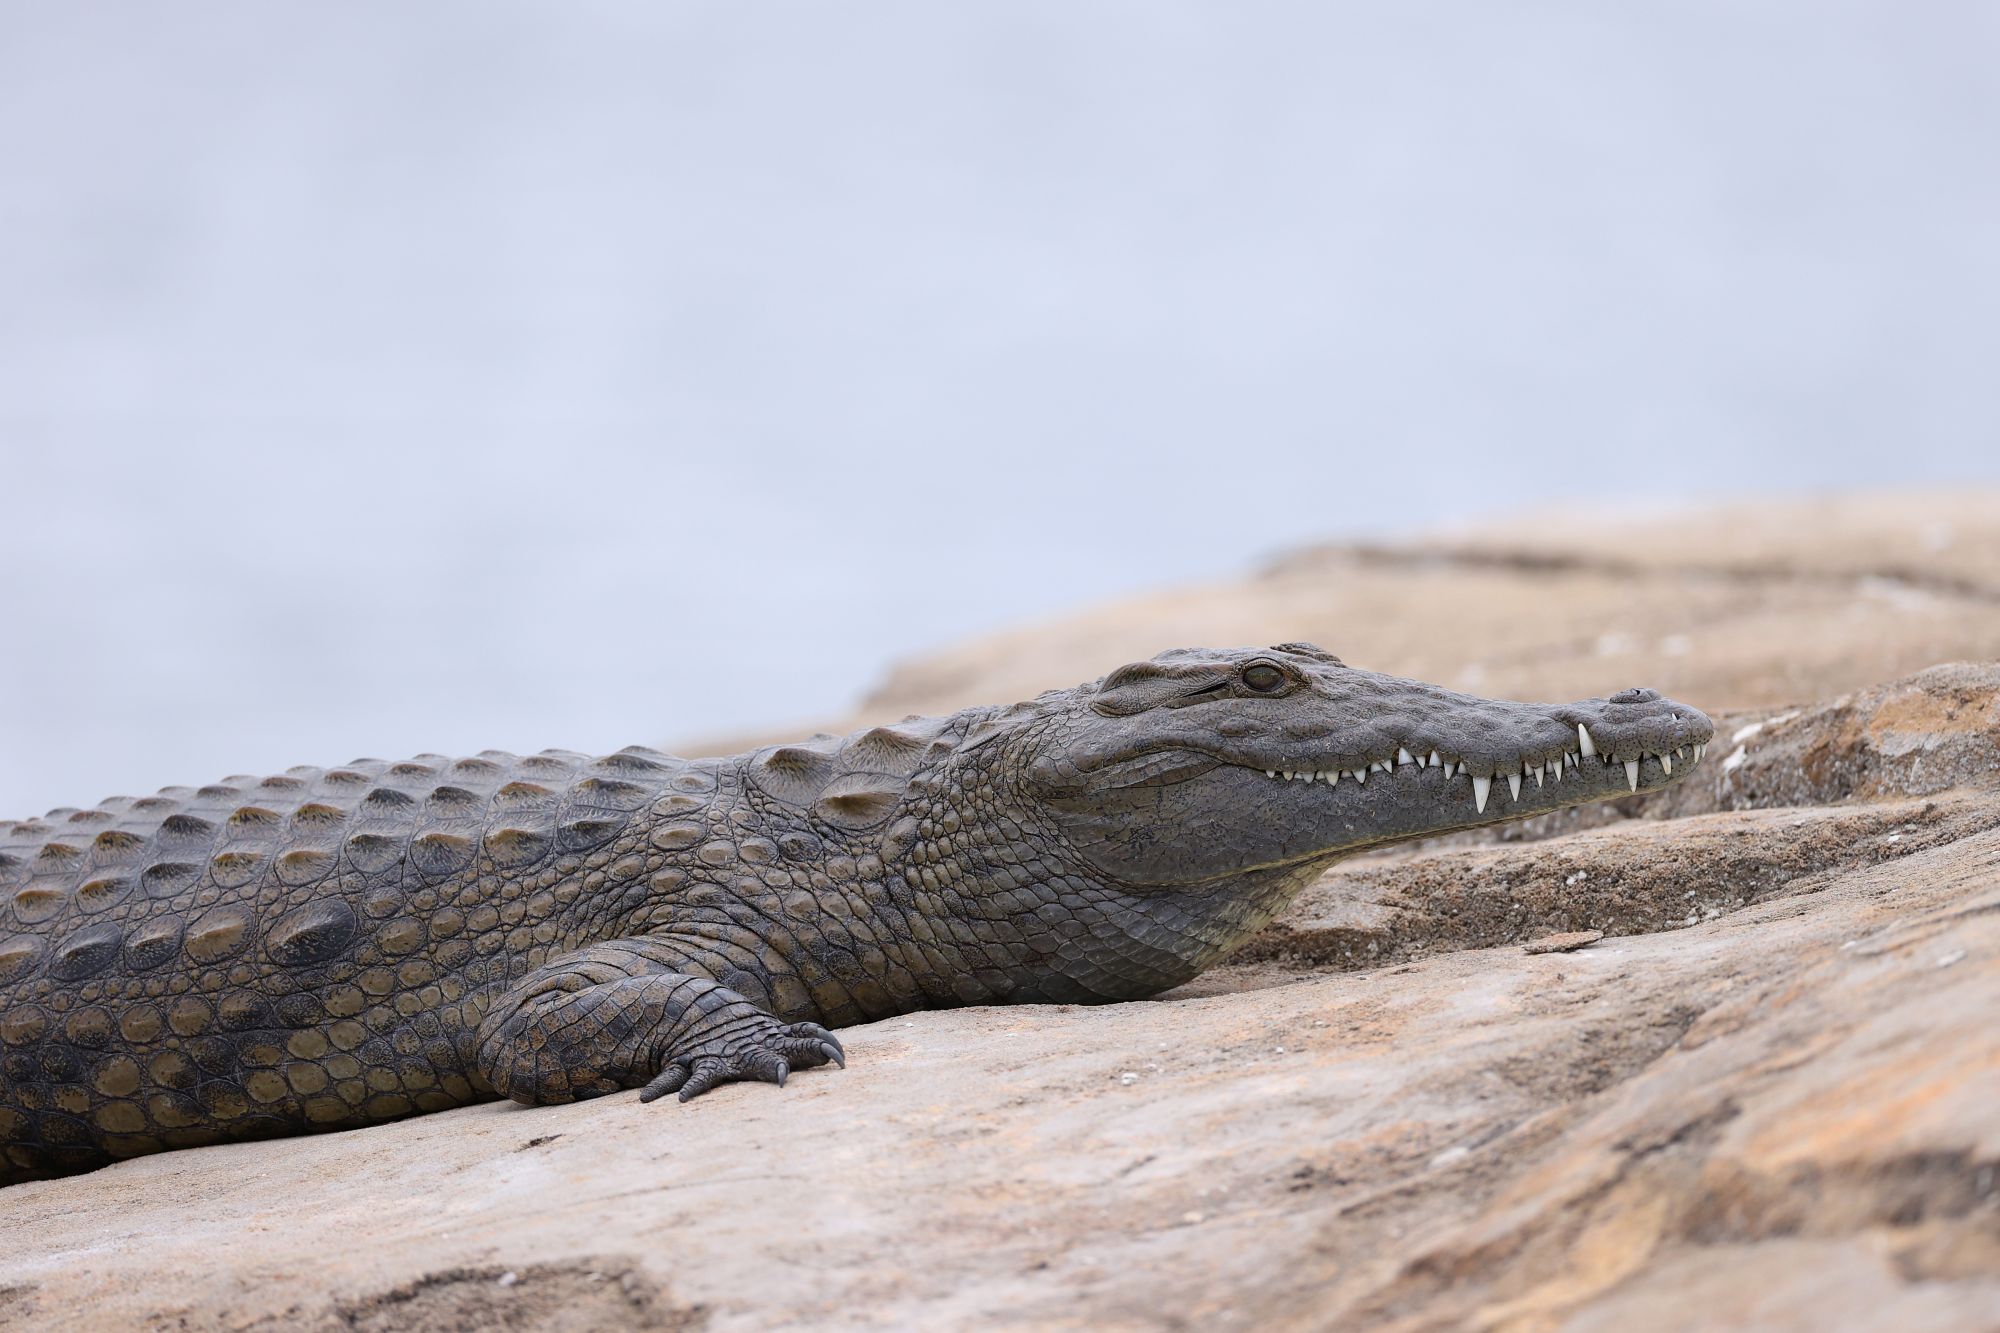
(74, 883)
(309, 950)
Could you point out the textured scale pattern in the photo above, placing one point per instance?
(263, 955)
(327, 948)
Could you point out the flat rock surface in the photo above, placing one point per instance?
(1768, 1096)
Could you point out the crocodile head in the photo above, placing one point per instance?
(1202, 765)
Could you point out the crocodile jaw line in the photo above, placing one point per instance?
(1548, 772)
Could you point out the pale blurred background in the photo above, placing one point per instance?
(377, 378)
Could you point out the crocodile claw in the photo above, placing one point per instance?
(766, 1056)
(809, 1044)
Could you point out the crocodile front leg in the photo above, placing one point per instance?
(617, 1016)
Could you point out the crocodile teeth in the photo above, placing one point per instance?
(1270, 772)
(1481, 787)
(1583, 740)
(1361, 775)
(1403, 755)
(1667, 763)
(1538, 774)
(1632, 773)
(1450, 768)
(1514, 785)
(1431, 759)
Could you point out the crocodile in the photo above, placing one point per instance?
(331, 948)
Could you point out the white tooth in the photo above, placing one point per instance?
(1571, 756)
(1666, 763)
(1514, 785)
(1431, 759)
(1380, 765)
(1288, 775)
(1480, 787)
(1632, 773)
(1538, 774)
(1361, 775)
(1700, 751)
(1270, 772)
(1583, 741)
(1403, 755)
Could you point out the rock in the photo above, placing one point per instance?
(1767, 1095)
(1568, 942)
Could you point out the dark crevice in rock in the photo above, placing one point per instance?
(549, 1298)
(1821, 1200)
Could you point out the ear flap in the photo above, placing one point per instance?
(1138, 686)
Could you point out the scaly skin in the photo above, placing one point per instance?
(333, 948)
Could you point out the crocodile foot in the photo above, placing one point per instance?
(767, 1053)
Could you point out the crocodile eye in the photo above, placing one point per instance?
(1262, 678)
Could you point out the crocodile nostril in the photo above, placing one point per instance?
(1635, 696)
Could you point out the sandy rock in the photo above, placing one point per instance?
(1567, 942)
